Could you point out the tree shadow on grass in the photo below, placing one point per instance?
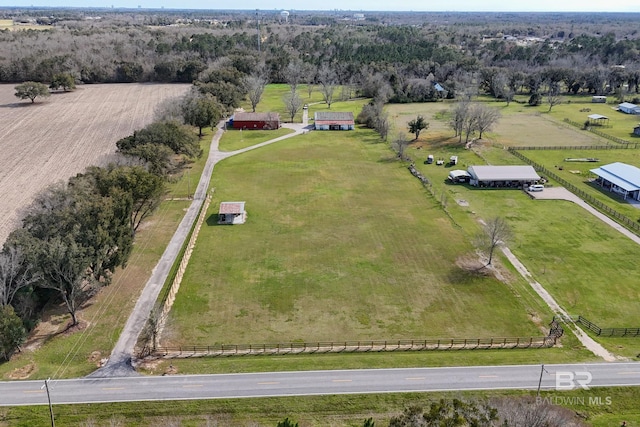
(20, 105)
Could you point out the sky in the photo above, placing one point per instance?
(357, 5)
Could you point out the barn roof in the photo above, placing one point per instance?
(627, 105)
(597, 117)
(256, 117)
(623, 175)
(503, 173)
(231, 208)
(334, 118)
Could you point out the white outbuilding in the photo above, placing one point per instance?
(502, 176)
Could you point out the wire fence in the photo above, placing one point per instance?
(622, 219)
(608, 332)
(629, 145)
(228, 350)
(597, 132)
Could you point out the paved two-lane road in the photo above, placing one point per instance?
(127, 389)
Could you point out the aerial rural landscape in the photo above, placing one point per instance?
(319, 218)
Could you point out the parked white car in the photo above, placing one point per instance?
(536, 187)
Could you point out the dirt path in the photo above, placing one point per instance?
(585, 339)
(560, 193)
(120, 361)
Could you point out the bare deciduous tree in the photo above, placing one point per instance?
(459, 115)
(255, 87)
(292, 104)
(15, 274)
(496, 231)
(327, 84)
(553, 96)
(531, 413)
(400, 143)
(485, 118)
(295, 74)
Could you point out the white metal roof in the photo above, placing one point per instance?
(623, 175)
(503, 173)
(458, 173)
(597, 117)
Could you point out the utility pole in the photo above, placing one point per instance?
(46, 386)
(540, 381)
(258, 22)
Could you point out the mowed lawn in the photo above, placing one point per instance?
(341, 243)
(519, 125)
(584, 263)
(236, 139)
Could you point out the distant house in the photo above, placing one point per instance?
(262, 121)
(627, 107)
(232, 213)
(599, 99)
(334, 121)
(502, 176)
(619, 178)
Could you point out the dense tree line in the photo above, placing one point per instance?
(76, 234)
(574, 52)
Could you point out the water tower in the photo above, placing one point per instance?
(284, 16)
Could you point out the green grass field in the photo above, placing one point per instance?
(234, 139)
(580, 260)
(341, 243)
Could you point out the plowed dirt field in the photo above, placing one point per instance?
(59, 136)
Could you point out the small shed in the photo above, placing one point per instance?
(502, 176)
(636, 130)
(598, 120)
(459, 175)
(325, 120)
(599, 99)
(260, 121)
(629, 108)
(232, 213)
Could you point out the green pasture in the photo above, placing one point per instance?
(340, 243)
(519, 125)
(235, 139)
(578, 173)
(312, 411)
(273, 95)
(580, 260)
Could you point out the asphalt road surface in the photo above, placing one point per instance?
(192, 387)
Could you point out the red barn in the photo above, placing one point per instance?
(266, 121)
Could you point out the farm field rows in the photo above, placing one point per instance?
(60, 136)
